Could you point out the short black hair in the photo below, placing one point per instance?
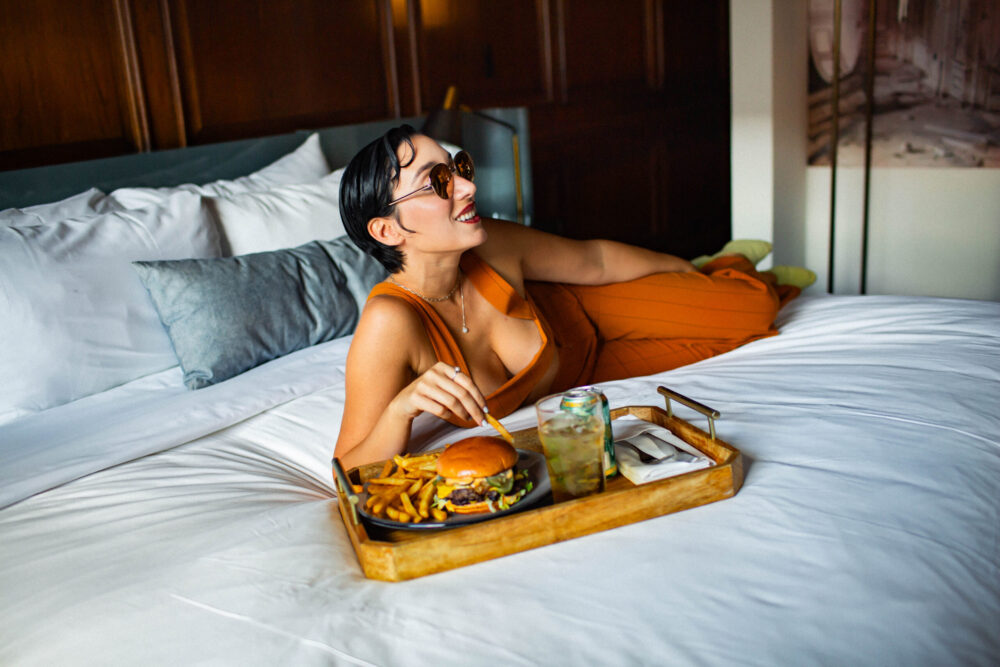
(366, 189)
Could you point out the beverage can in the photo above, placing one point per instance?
(602, 408)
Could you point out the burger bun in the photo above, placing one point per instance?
(478, 456)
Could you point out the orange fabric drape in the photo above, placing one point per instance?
(661, 321)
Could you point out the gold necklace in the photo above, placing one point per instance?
(439, 299)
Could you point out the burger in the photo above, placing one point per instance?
(477, 475)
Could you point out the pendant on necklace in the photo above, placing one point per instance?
(465, 329)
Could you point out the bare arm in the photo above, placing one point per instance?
(385, 394)
(542, 256)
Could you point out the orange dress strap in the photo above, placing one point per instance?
(499, 294)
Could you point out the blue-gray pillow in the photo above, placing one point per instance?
(225, 316)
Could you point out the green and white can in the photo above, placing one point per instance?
(584, 401)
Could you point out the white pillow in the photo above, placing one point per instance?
(85, 203)
(76, 318)
(284, 217)
(306, 164)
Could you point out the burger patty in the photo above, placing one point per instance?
(467, 496)
(464, 497)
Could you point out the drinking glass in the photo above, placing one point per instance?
(573, 440)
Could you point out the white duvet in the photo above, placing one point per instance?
(154, 525)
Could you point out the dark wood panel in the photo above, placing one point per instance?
(629, 100)
(66, 82)
(599, 185)
(636, 184)
(696, 60)
(496, 53)
(694, 189)
(157, 64)
(405, 19)
(640, 134)
(607, 46)
(276, 65)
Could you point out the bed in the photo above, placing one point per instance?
(144, 522)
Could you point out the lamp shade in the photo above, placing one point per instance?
(445, 122)
(444, 125)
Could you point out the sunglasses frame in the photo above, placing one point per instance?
(441, 177)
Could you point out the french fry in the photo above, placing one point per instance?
(408, 505)
(401, 481)
(357, 488)
(404, 490)
(390, 494)
(504, 433)
(415, 462)
(424, 500)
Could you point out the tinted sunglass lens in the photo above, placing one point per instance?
(440, 180)
(463, 164)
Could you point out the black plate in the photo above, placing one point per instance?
(533, 462)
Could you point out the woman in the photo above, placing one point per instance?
(481, 315)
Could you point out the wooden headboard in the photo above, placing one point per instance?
(489, 145)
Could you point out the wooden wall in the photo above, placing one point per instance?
(629, 99)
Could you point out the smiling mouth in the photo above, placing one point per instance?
(469, 214)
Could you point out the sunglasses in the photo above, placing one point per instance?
(441, 181)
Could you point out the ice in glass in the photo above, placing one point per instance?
(571, 429)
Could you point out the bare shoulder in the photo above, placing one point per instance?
(388, 316)
(389, 331)
(532, 254)
(504, 238)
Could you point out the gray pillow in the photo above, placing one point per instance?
(225, 316)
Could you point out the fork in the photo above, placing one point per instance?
(644, 458)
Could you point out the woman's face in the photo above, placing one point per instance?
(436, 224)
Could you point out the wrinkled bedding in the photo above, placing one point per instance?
(155, 525)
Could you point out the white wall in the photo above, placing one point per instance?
(752, 138)
(933, 232)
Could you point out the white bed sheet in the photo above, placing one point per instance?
(867, 530)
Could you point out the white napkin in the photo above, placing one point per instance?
(656, 441)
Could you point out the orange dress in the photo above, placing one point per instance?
(610, 332)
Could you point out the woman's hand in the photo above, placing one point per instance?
(444, 391)
(385, 394)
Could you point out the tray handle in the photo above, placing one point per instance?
(691, 403)
(344, 488)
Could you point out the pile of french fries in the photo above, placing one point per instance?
(404, 491)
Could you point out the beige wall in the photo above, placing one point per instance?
(933, 232)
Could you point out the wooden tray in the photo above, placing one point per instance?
(397, 555)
